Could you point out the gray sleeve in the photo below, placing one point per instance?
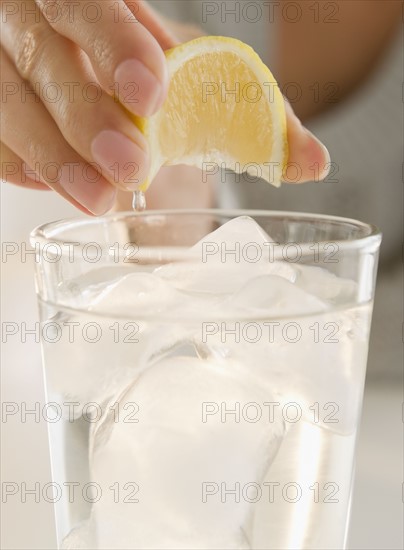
(364, 135)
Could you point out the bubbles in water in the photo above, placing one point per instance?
(139, 201)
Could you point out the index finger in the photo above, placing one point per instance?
(126, 58)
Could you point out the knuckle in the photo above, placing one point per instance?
(29, 48)
(76, 118)
(103, 51)
(69, 114)
(52, 10)
(44, 159)
(35, 153)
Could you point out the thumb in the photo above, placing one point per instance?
(308, 159)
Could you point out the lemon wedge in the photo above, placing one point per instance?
(223, 108)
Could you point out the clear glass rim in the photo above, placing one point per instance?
(49, 232)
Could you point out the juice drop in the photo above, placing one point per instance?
(139, 201)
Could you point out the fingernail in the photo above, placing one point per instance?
(123, 160)
(320, 144)
(88, 187)
(325, 165)
(138, 88)
(327, 161)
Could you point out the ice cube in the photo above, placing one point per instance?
(326, 285)
(84, 363)
(298, 346)
(275, 296)
(312, 373)
(234, 235)
(113, 341)
(187, 444)
(223, 261)
(135, 294)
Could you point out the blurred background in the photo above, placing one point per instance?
(341, 66)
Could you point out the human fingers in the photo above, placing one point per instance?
(31, 134)
(308, 159)
(127, 59)
(91, 121)
(13, 170)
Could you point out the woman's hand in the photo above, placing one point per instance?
(64, 67)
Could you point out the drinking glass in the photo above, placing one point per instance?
(204, 373)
